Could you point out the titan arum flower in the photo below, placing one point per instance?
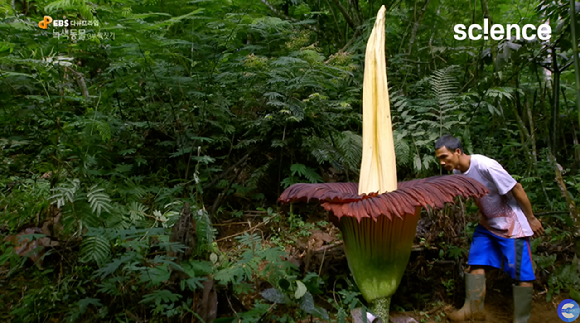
(378, 216)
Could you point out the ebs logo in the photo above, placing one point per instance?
(56, 23)
(568, 310)
(44, 24)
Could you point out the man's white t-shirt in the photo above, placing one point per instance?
(501, 213)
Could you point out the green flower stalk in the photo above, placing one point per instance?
(378, 216)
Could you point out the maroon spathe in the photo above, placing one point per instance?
(343, 199)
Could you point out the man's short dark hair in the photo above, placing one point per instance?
(450, 142)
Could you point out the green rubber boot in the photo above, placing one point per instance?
(474, 298)
(522, 303)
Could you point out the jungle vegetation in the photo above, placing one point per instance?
(144, 150)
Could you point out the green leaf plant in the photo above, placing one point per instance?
(378, 216)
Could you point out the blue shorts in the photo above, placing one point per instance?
(513, 255)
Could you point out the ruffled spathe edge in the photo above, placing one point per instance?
(342, 199)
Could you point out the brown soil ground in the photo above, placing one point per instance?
(499, 309)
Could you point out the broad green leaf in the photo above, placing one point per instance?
(300, 289)
(274, 296)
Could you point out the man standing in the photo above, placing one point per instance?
(501, 239)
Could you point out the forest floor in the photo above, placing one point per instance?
(498, 308)
(432, 283)
(498, 304)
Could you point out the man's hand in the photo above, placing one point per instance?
(536, 226)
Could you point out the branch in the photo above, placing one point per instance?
(347, 17)
(548, 67)
(342, 37)
(226, 173)
(356, 11)
(80, 81)
(281, 14)
(274, 10)
(354, 37)
(416, 27)
(566, 66)
(551, 213)
(570, 203)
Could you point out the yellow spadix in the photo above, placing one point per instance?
(378, 172)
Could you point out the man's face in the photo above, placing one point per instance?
(447, 158)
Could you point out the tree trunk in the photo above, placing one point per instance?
(416, 27)
(525, 135)
(576, 146)
(575, 48)
(574, 211)
(493, 46)
(534, 150)
(556, 100)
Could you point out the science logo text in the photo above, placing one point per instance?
(499, 32)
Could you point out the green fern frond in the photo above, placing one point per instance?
(350, 149)
(104, 130)
(248, 240)
(428, 161)
(398, 101)
(166, 195)
(78, 5)
(530, 179)
(402, 149)
(159, 296)
(500, 93)
(116, 219)
(205, 231)
(98, 200)
(323, 154)
(445, 86)
(95, 248)
(343, 150)
(6, 8)
(65, 192)
(85, 215)
(256, 176)
(137, 211)
(170, 22)
(446, 90)
(133, 189)
(307, 172)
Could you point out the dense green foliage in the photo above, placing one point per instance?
(224, 103)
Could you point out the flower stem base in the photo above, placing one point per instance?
(380, 308)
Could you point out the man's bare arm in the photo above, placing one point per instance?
(524, 202)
